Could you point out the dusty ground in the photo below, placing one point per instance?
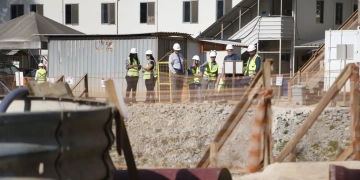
(176, 135)
(297, 171)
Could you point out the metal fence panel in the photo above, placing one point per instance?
(100, 58)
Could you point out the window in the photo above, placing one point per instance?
(147, 12)
(339, 13)
(16, 10)
(38, 8)
(72, 14)
(319, 11)
(222, 7)
(355, 7)
(190, 11)
(108, 13)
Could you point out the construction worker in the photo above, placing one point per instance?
(252, 67)
(40, 75)
(150, 76)
(226, 78)
(195, 83)
(133, 67)
(210, 74)
(176, 66)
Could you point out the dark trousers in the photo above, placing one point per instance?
(150, 86)
(195, 93)
(208, 87)
(177, 86)
(132, 82)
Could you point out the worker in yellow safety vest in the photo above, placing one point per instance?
(252, 67)
(40, 75)
(133, 67)
(195, 74)
(150, 76)
(210, 75)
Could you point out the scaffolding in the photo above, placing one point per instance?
(164, 88)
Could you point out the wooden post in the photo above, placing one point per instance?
(267, 136)
(214, 155)
(354, 111)
(292, 156)
(328, 96)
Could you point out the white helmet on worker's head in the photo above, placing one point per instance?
(133, 51)
(196, 57)
(176, 47)
(251, 48)
(148, 52)
(229, 46)
(213, 53)
(41, 65)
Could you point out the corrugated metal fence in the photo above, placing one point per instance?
(100, 58)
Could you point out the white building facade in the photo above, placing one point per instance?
(123, 16)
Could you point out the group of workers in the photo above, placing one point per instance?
(206, 75)
(133, 68)
(200, 77)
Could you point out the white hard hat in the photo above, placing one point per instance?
(251, 48)
(148, 52)
(176, 47)
(196, 57)
(229, 46)
(133, 51)
(41, 65)
(213, 54)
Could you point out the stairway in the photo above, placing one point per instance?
(313, 64)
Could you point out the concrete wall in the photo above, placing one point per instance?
(308, 29)
(333, 64)
(169, 15)
(89, 13)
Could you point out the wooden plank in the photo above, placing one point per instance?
(214, 155)
(346, 154)
(233, 119)
(292, 156)
(328, 96)
(46, 89)
(267, 135)
(354, 111)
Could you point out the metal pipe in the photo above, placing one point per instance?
(117, 16)
(280, 56)
(358, 14)
(177, 174)
(281, 7)
(222, 30)
(294, 36)
(240, 19)
(258, 5)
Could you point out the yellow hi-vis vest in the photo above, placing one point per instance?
(197, 79)
(147, 74)
(41, 75)
(211, 73)
(251, 65)
(133, 71)
(221, 85)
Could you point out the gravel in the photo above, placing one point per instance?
(177, 135)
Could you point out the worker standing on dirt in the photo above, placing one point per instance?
(176, 66)
(195, 73)
(210, 75)
(252, 67)
(226, 78)
(40, 75)
(133, 67)
(150, 76)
